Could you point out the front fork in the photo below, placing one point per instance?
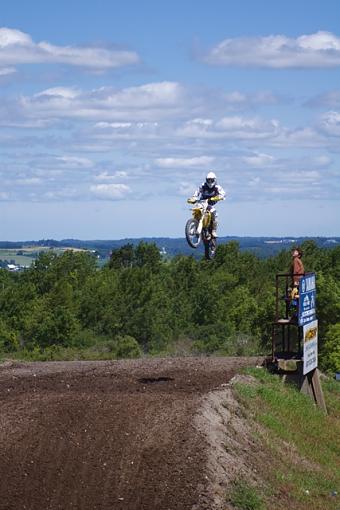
(200, 226)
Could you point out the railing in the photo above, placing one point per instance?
(287, 316)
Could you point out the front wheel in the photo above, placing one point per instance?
(210, 248)
(191, 235)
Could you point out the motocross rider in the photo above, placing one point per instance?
(213, 192)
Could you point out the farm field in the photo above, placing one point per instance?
(26, 256)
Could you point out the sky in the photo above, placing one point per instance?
(112, 113)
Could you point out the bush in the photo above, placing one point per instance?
(127, 347)
(9, 339)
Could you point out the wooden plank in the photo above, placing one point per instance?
(317, 390)
(288, 365)
(311, 386)
(306, 387)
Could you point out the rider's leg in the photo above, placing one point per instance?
(214, 223)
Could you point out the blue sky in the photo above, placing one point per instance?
(111, 113)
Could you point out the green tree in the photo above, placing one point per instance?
(330, 359)
(122, 257)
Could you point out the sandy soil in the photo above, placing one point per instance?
(129, 435)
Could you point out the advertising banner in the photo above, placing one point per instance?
(310, 346)
(307, 299)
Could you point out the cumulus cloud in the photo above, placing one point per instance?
(230, 127)
(158, 135)
(17, 47)
(330, 123)
(110, 191)
(196, 162)
(321, 49)
(105, 104)
(121, 113)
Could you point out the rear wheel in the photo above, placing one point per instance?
(210, 248)
(191, 233)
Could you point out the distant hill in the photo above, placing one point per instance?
(262, 246)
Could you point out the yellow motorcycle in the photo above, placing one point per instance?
(199, 227)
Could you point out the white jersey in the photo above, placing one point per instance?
(204, 192)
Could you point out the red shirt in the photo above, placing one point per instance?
(297, 270)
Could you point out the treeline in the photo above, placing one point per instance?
(65, 307)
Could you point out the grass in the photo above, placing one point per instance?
(302, 444)
(245, 497)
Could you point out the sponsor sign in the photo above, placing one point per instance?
(307, 299)
(310, 346)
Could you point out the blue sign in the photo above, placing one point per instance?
(307, 299)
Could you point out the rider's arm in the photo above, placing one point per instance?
(220, 195)
(221, 192)
(196, 196)
(197, 193)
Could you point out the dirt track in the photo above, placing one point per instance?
(107, 435)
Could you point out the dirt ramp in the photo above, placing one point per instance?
(106, 435)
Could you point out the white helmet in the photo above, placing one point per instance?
(211, 180)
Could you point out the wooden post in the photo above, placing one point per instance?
(311, 386)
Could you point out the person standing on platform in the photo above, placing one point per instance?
(297, 270)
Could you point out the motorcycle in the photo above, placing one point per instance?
(199, 228)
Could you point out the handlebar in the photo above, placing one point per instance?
(203, 200)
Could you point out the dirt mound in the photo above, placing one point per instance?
(108, 435)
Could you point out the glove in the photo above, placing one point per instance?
(192, 200)
(214, 199)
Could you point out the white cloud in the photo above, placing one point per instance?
(330, 123)
(105, 176)
(110, 191)
(5, 71)
(74, 162)
(142, 103)
(63, 92)
(321, 49)
(133, 112)
(232, 127)
(16, 47)
(60, 195)
(300, 137)
(321, 161)
(259, 160)
(239, 101)
(113, 125)
(28, 181)
(196, 162)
